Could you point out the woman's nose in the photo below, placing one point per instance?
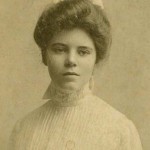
(70, 60)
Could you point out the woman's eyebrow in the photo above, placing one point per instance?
(62, 44)
(86, 47)
(58, 44)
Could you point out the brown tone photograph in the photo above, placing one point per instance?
(74, 75)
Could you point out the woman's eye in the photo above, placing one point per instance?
(58, 49)
(83, 52)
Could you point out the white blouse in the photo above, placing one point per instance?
(74, 121)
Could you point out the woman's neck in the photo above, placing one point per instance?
(62, 97)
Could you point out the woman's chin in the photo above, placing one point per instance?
(70, 86)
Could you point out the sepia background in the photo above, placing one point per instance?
(123, 80)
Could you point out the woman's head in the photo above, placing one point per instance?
(70, 58)
(70, 14)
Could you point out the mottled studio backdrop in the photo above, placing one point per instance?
(123, 81)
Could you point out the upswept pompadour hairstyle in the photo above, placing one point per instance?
(69, 14)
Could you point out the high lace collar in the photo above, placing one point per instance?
(63, 97)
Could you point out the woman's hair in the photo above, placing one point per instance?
(69, 14)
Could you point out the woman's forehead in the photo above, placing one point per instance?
(73, 37)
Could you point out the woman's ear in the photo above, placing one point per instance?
(93, 72)
(44, 57)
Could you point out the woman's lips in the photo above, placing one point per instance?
(70, 73)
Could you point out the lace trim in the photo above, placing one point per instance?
(66, 98)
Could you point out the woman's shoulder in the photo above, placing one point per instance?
(115, 124)
(112, 120)
(109, 114)
(26, 125)
(34, 117)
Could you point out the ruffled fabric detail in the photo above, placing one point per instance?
(63, 97)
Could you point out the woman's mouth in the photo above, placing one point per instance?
(70, 73)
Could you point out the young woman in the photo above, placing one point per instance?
(74, 36)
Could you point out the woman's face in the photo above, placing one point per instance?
(71, 57)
